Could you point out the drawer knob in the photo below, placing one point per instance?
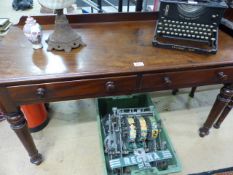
(167, 81)
(222, 76)
(110, 86)
(40, 92)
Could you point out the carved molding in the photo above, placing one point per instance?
(16, 120)
(226, 94)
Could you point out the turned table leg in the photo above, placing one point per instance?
(223, 115)
(222, 100)
(19, 125)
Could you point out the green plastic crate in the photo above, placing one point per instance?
(105, 105)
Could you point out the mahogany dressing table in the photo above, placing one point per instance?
(107, 66)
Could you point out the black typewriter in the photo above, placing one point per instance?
(189, 25)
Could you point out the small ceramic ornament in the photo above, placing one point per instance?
(32, 31)
(27, 27)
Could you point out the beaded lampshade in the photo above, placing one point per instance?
(63, 37)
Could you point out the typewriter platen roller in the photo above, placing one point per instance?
(189, 25)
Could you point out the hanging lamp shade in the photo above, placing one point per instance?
(56, 4)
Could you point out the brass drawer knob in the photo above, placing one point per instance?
(110, 86)
(222, 76)
(167, 81)
(40, 92)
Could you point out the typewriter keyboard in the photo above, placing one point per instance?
(186, 30)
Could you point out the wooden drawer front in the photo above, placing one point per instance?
(161, 81)
(72, 89)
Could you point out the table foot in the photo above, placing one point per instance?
(203, 131)
(216, 126)
(36, 159)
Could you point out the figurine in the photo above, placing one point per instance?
(32, 31)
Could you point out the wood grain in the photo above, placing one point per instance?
(112, 49)
(190, 78)
(70, 90)
(104, 67)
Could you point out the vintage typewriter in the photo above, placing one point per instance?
(189, 25)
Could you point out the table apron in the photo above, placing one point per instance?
(118, 85)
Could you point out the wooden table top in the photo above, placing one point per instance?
(112, 49)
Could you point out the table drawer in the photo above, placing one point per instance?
(161, 81)
(69, 90)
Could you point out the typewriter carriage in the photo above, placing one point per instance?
(195, 23)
